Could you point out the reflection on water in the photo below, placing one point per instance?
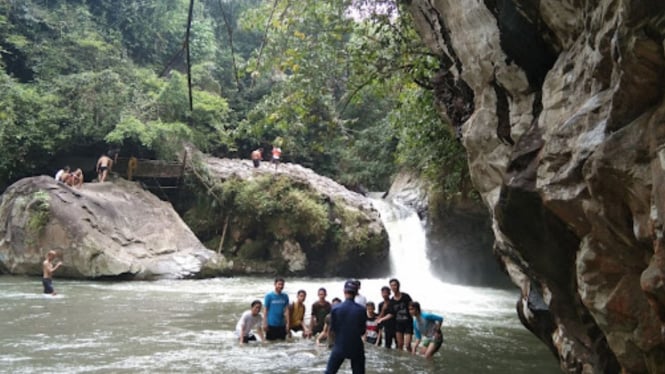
(187, 326)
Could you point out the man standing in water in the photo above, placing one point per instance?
(47, 275)
(387, 325)
(347, 322)
(320, 309)
(276, 324)
(399, 310)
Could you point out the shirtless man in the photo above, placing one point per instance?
(104, 164)
(257, 156)
(48, 269)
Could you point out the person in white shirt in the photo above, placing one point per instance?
(250, 319)
(359, 299)
(61, 174)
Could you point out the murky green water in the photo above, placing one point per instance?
(187, 326)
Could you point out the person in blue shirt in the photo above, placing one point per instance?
(427, 330)
(276, 323)
(347, 321)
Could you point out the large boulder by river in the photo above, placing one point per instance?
(560, 107)
(286, 220)
(101, 230)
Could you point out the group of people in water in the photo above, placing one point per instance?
(346, 325)
(75, 178)
(257, 156)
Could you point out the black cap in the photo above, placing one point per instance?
(351, 286)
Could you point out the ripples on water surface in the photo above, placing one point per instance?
(187, 326)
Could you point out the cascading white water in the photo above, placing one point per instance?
(410, 264)
(408, 243)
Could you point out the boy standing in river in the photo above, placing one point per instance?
(297, 311)
(320, 310)
(276, 324)
(387, 325)
(47, 272)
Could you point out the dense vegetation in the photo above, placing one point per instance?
(343, 88)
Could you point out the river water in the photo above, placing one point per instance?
(177, 326)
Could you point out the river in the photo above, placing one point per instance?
(177, 326)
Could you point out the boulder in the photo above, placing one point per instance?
(101, 230)
(287, 220)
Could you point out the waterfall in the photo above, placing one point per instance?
(408, 242)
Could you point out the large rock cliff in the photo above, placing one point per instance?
(561, 108)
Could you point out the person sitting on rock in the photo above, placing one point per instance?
(61, 175)
(76, 178)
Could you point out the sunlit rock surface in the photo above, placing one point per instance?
(561, 108)
(101, 230)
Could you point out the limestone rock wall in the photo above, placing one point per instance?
(562, 116)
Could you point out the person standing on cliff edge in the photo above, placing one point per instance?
(257, 156)
(276, 155)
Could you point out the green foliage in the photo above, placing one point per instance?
(337, 86)
(28, 131)
(40, 213)
(428, 145)
(164, 138)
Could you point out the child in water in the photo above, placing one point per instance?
(372, 335)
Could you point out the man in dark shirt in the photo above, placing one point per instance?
(388, 325)
(347, 321)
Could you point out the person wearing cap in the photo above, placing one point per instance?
(347, 322)
(359, 299)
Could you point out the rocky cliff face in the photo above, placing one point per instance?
(561, 108)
